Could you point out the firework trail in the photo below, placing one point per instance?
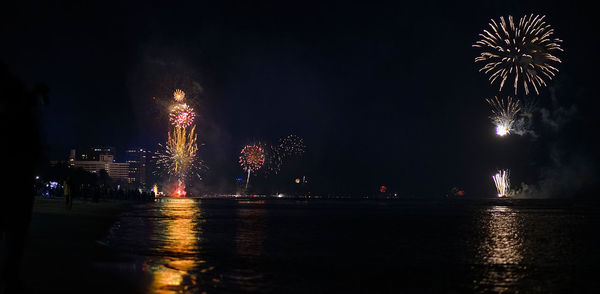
(252, 158)
(521, 53)
(502, 182)
(504, 114)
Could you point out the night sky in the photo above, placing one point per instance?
(383, 94)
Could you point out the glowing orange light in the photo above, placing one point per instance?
(178, 95)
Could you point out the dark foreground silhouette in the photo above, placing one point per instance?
(22, 147)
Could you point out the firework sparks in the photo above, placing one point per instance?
(504, 114)
(180, 189)
(182, 115)
(277, 155)
(178, 157)
(521, 53)
(292, 145)
(273, 159)
(502, 182)
(178, 95)
(179, 153)
(252, 158)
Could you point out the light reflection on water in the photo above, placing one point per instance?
(184, 246)
(501, 249)
(249, 247)
(181, 267)
(175, 270)
(168, 242)
(250, 234)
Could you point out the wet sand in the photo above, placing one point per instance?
(62, 254)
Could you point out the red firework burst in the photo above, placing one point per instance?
(252, 157)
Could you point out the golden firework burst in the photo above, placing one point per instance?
(519, 53)
(178, 95)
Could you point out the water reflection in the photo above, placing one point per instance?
(249, 244)
(250, 234)
(178, 234)
(501, 249)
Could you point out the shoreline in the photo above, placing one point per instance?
(64, 252)
(63, 248)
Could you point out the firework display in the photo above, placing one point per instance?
(519, 53)
(286, 148)
(252, 158)
(504, 113)
(277, 155)
(291, 145)
(502, 182)
(273, 159)
(178, 157)
(178, 95)
(180, 152)
(181, 115)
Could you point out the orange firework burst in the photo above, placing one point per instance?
(178, 95)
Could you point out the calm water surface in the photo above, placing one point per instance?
(286, 246)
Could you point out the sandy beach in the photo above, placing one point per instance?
(64, 248)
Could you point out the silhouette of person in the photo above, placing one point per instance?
(68, 193)
(22, 146)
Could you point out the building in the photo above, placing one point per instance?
(138, 161)
(92, 154)
(105, 161)
(152, 172)
(95, 152)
